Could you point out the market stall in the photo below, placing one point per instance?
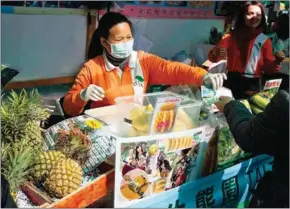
(146, 149)
(171, 148)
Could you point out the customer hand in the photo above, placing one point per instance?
(93, 92)
(216, 80)
(280, 56)
(222, 103)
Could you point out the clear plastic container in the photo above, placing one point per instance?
(187, 116)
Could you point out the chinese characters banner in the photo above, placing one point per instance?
(230, 188)
(166, 12)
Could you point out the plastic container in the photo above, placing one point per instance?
(189, 106)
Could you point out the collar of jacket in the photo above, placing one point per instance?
(131, 60)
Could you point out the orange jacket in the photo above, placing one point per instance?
(155, 71)
(239, 52)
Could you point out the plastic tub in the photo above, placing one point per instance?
(187, 116)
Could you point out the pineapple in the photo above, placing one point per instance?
(16, 161)
(20, 116)
(44, 162)
(64, 178)
(74, 144)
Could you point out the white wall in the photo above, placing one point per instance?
(172, 36)
(43, 46)
(46, 46)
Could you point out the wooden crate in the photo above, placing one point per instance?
(87, 195)
(96, 193)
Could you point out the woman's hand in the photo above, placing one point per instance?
(216, 80)
(93, 92)
(222, 103)
(280, 56)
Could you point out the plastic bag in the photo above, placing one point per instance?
(191, 92)
(227, 147)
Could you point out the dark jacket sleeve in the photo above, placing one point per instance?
(6, 198)
(261, 134)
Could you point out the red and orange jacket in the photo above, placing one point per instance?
(155, 71)
(248, 53)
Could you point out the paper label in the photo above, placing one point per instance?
(164, 114)
(273, 85)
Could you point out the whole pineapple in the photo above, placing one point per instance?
(43, 164)
(20, 117)
(64, 178)
(74, 144)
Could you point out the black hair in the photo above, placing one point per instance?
(108, 20)
(143, 152)
(240, 23)
(283, 26)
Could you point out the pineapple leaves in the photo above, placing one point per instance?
(17, 165)
(21, 134)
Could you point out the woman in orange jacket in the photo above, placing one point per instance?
(248, 52)
(115, 70)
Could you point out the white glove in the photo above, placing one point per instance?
(216, 80)
(93, 92)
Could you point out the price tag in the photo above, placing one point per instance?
(273, 85)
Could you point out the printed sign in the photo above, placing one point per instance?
(150, 165)
(273, 85)
(230, 188)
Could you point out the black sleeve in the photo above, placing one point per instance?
(259, 134)
(6, 198)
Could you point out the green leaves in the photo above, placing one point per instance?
(16, 166)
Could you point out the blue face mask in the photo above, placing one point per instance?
(122, 50)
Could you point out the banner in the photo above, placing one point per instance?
(169, 9)
(231, 187)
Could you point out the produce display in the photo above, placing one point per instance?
(38, 173)
(20, 118)
(260, 101)
(21, 135)
(49, 165)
